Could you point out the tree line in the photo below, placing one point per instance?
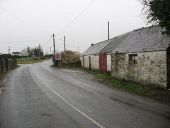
(34, 52)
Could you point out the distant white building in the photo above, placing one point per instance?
(23, 53)
(16, 53)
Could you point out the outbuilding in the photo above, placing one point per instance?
(143, 56)
(98, 56)
(90, 58)
(105, 53)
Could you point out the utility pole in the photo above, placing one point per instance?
(39, 50)
(9, 49)
(108, 30)
(64, 44)
(53, 43)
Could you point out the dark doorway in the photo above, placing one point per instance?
(89, 62)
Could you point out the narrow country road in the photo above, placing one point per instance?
(39, 96)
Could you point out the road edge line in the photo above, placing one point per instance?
(75, 108)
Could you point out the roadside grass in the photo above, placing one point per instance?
(29, 60)
(68, 65)
(152, 91)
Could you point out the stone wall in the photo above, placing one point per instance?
(7, 63)
(144, 67)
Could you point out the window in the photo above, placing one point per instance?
(132, 58)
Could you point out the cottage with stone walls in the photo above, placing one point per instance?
(143, 56)
(105, 54)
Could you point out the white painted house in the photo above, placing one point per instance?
(90, 58)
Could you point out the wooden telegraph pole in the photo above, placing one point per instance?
(53, 43)
(64, 44)
(39, 50)
(108, 30)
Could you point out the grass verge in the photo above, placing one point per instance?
(29, 60)
(152, 91)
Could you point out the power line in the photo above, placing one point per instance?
(10, 14)
(65, 27)
(76, 17)
(48, 40)
(53, 42)
(26, 24)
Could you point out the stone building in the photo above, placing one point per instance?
(143, 56)
(90, 58)
(105, 53)
(98, 56)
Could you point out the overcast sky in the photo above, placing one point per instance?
(31, 22)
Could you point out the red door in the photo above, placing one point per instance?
(103, 62)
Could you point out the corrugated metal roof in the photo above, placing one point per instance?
(114, 43)
(145, 39)
(96, 48)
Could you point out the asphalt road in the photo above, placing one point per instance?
(39, 96)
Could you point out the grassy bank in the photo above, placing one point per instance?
(133, 87)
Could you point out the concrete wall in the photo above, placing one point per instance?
(94, 62)
(149, 67)
(94, 59)
(86, 62)
(91, 61)
(108, 62)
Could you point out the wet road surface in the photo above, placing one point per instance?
(39, 96)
